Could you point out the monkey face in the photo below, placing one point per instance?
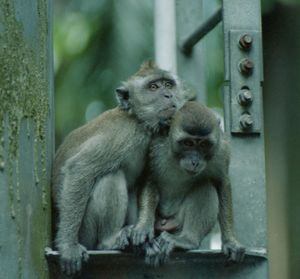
(194, 153)
(194, 136)
(152, 95)
(154, 99)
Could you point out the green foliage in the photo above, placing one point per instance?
(97, 44)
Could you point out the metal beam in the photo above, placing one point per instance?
(210, 264)
(201, 31)
(165, 34)
(247, 170)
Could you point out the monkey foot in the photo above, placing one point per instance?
(158, 251)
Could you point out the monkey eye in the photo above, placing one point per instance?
(188, 142)
(168, 84)
(153, 86)
(205, 144)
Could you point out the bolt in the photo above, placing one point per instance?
(245, 97)
(246, 66)
(245, 41)
(246, 121)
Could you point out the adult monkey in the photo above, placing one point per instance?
(98, 164)
(188, 188)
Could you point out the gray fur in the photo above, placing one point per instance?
(192, 201)
(96, 167)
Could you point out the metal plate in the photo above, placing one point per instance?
(239, 80)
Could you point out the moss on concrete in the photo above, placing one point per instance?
(24, 96)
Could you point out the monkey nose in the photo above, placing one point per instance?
(195, 163)
(168, 95)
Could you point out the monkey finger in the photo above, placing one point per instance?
(226, 251)
(233, 255)
(63, 267)
(121, 242)
(67, 268)
(149, 260)
(149, 250)
(243, 254)
(153, 260)
(85, 256)
(156, 246)
(240, 254)
(158, 261)
(77, 266)
(137, 238)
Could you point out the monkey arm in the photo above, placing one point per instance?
(148, 201)
(225, 209)
(231, 247)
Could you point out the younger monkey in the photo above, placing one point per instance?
(188, 188)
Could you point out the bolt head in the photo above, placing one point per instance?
(245, 97)
(245, 41)
(246, 66)
(246, 121)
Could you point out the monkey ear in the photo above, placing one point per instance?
(122, 94)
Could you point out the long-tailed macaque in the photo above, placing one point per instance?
(97, 165)
(187, 189)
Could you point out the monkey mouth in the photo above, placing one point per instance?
(167, 113)
(192, 172)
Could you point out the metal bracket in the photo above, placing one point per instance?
(245, 82)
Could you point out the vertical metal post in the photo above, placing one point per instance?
(165, 34)
(191, 69)
(26, 137)
(243, 119)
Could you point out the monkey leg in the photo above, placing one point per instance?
(106, 212)
(197, 216)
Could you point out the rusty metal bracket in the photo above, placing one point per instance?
(245, 82)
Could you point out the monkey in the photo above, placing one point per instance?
(187, 190)
(97, 165)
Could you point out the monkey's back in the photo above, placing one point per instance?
(112, 122)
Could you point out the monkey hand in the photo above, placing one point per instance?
(141, 233)
(233, 250)
(158, 250)
(71, 257)
(122, 240)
